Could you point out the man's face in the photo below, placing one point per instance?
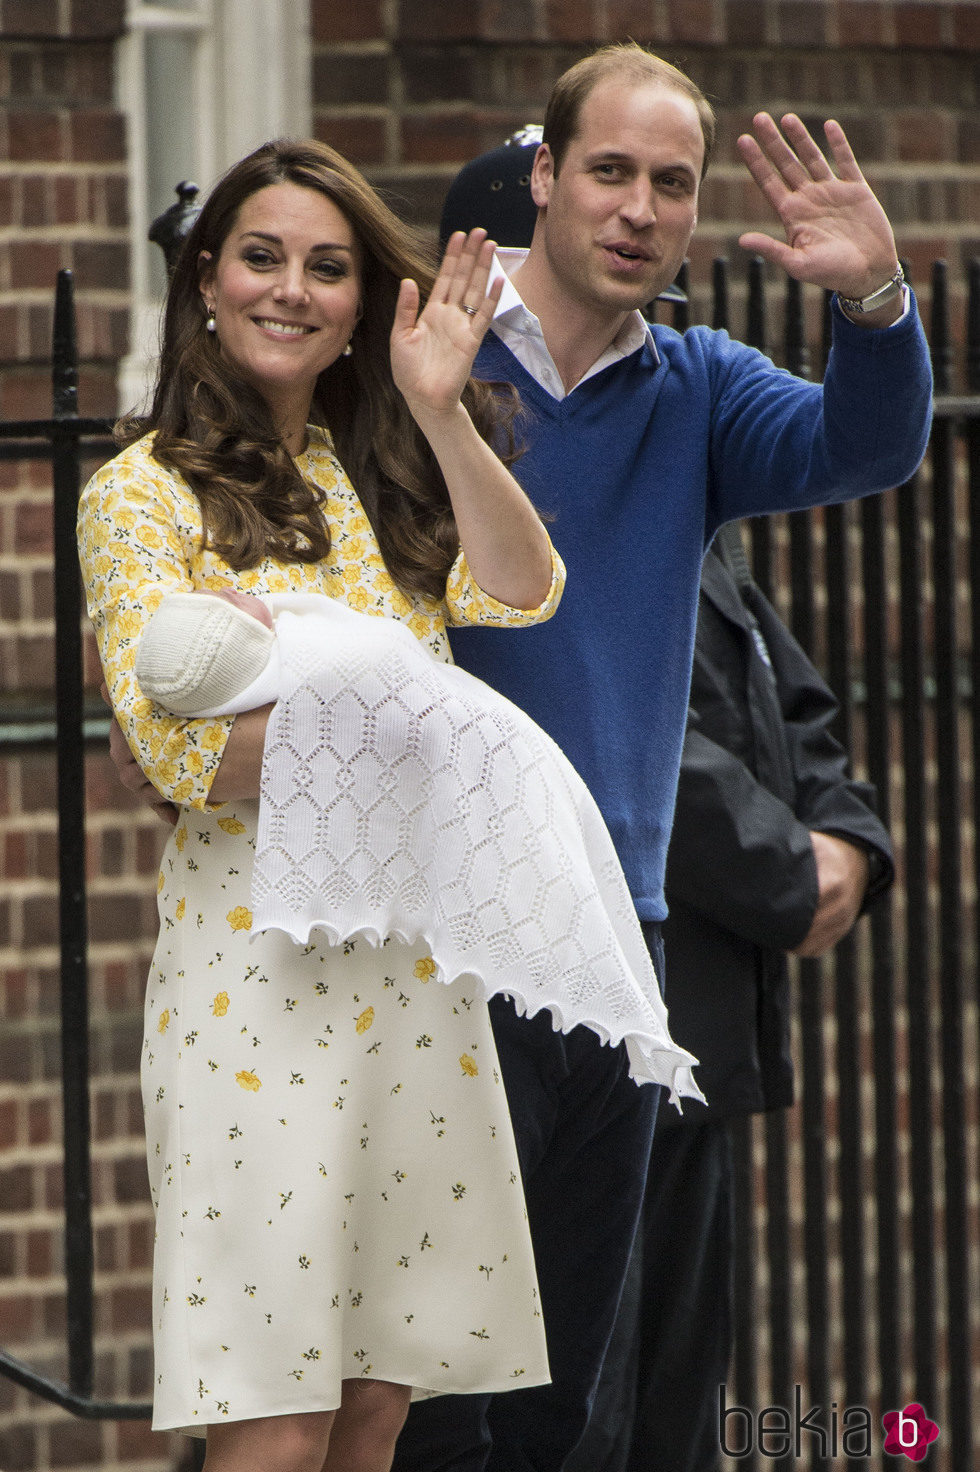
(620, 212)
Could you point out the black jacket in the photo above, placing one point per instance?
(760, 769)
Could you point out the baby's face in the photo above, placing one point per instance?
(248, 604)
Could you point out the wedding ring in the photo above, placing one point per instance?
(470, 311)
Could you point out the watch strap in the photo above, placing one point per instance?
(876, 299)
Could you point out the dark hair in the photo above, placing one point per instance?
(216, 430)
(627, 63)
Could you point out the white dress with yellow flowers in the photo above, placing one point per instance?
(331, 1159)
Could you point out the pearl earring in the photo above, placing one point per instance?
(210, 324)
(348, 350)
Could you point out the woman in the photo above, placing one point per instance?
(339, 1214)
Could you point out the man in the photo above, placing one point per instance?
(641, 443)
(775, 849)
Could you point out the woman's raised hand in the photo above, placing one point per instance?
(432, 351)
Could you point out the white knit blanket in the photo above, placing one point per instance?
(402, 797)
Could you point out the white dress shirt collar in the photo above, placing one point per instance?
(519, 329)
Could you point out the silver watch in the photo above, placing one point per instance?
(879, 298)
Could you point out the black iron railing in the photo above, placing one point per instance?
(62, 439)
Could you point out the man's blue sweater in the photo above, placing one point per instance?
(639, 466)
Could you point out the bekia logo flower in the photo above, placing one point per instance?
(909, 1433)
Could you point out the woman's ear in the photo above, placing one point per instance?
(205, 272)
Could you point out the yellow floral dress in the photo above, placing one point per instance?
(330, 1154)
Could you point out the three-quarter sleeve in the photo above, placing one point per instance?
(467, 603)
(136, 525)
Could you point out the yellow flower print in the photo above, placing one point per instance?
(181, 907)
(213, 738)
(358, 599)
(160, 882)
(400, 603)
(425, 968)
(183, 790)
(130, 624)
(351, 574)
(180, 838)
(240, 918)
(383, 582)
(232, 826)
(124, 518)
(164, 1020)
(468, 1065)
(221, 1005)
(150, 537)
(365, 1020)
(247, 1080)
(194, 762)
(419, 625)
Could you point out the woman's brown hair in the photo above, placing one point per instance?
(216, 430)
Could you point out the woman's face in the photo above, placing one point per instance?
(286, 295)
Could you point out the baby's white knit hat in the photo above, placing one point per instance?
(198, 651)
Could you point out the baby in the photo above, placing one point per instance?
(209, 654)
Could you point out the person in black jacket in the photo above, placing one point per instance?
(776, 849)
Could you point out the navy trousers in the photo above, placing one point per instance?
(657, 1405)
(583, 1131)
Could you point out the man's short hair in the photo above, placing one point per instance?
(630, 64)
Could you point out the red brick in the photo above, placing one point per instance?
(746, 22)
(34, 204)
(636, 18)
(802, 22)
(31, 18)
(25, 395)
(41, 919)
(66, 201)
(6, 201)
(90, 18)
(97, 136)
(131, 1308)
(9, 345)
(9, 1254)
(75, 1443)
(340, 20)
(32, 528)
(34, 263)
(34, 136)
(514, 20)
(919, 25)
(19, 1451)
(136, 1442)
(8, 1123)
(20, 1318)
(16, 1188)
(576, 20)
(692, 21)
(864, 22)
(101, 264)
(434, 20)
(40, 1123)
(920, 137)
(41, 1254)
(966, 27)
(440, 138)
(362, 140)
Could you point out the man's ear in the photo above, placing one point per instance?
(542, 176)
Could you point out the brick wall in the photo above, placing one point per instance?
(409, 89)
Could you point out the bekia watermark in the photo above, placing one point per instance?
(778, 1431)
